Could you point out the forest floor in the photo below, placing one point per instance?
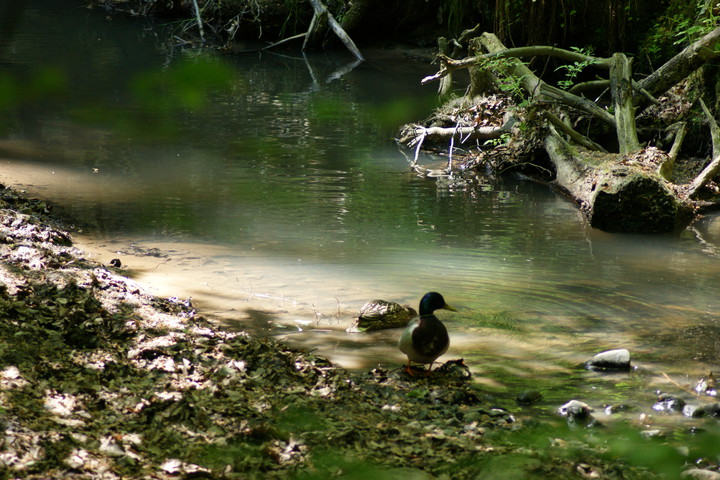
(101, 380)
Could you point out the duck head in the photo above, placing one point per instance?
(433, 301)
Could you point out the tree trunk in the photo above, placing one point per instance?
(616, 194)
(622, 95)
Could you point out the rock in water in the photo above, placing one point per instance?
(669, 404)
(578, 413)
(528, 397)
(617, 360)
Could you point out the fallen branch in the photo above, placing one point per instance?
(279, 42)
(198, 18)
(683, 64)
(577, 137)
(411, 135)
(537, 88)
(450, 64)
(320, 11)
(714, 130)
(667, 167)
(628, 191)
(621, 89)
(714, 166)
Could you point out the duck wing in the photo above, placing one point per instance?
(430, 338)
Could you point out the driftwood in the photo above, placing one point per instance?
(413, 133)
(323, 16)
(198, 19)
(624, 191)
(321, 20)
(714, 166)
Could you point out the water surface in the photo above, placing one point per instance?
(270, 191)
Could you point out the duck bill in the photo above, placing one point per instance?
(448, 307)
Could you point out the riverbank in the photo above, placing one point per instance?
(100, 379)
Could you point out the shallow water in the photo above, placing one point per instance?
(280, 204)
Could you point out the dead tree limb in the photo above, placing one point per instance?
(667, 167)
(198, 19)
(714, 130)
(612, 192)
(616, 192)
(449, 64)
(535, 87)
(714, 166)
(629, 191)
(683, 64)
(445, 82)
(577, 137)
(540, 90)
(320, 11)
(410, 135)
(316, 30)
(621, 89)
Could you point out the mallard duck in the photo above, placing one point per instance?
(379, 314)
(426, 338)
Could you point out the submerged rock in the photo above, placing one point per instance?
(610, 360)
(578, 413)
(707, 386)
(712, 410)
(700, 474)
(669, 404)
(619, 408)
(528, 397)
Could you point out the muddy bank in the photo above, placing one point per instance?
(99, 379)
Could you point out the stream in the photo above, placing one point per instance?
(267, 188)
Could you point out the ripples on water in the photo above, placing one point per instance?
(298, 183)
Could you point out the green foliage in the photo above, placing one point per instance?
(688, 31)
(573, 70)
(504, 139)
(682, 23)
(509, 84)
